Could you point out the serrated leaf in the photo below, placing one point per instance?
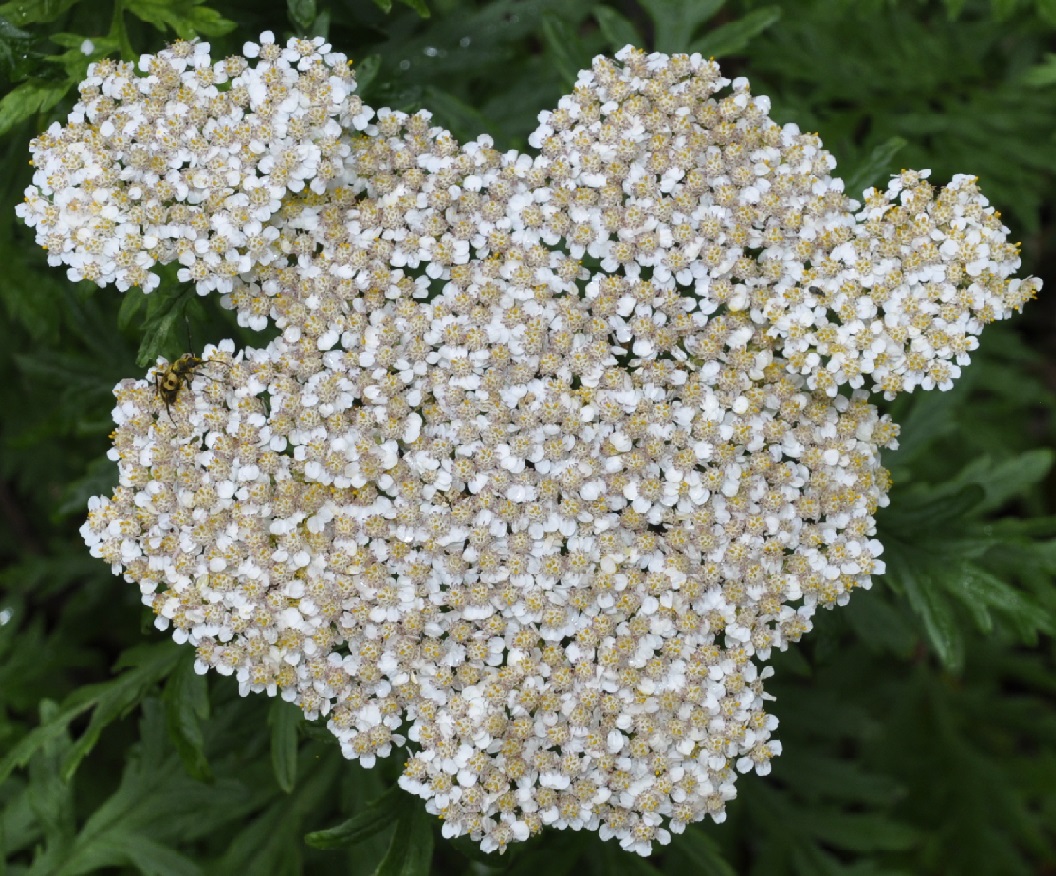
(108, 701)
(129, 827)
(378, 815)
(617, 29)
(270, 842)
(188, 18)
(29, 296)
(49, 796)
(146, 665)
(19, 828)
(731, 38)
(847, 781)
(28, 99)
(284, 719)
(1003, 480)
(411, 850)
(74, 61)
(985, 591)
(940, 624)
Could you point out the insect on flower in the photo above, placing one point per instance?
(171, 378)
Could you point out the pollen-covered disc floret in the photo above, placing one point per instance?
(551, 451)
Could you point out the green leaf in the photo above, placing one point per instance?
(731, 38)
(553, 855)
(284, 719)
(678, 20)
(16, 46)
(186, 701)
(146, 665)
(188, 18)
(49, 795)
(870, 171)
(419, 6)
(880, 624)
(703, 851)
(564, 48)
(825, 777)
(35, 11)
(863, 832)
(28, 99)
(617, 30)
(619, 862)
(29, 295)
(981, 591)
(301, 13)
(925, 508)
(930, 417)
(74, 61)
(940, 624)
(110, 700)
(149, 857)
(19, 828)
(1003, 480)
(270, 842)
(462, 118)
(131, 826)
(411, 850)
(161, 329)
(378, 815)
(131, 303)
(367, 70)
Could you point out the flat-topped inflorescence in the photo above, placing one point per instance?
(552, 450)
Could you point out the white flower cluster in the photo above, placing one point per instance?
(551, 451)
(190, 162)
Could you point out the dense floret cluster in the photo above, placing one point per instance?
(190, 162)
(551, 450)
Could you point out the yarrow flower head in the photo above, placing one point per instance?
(551, 451)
